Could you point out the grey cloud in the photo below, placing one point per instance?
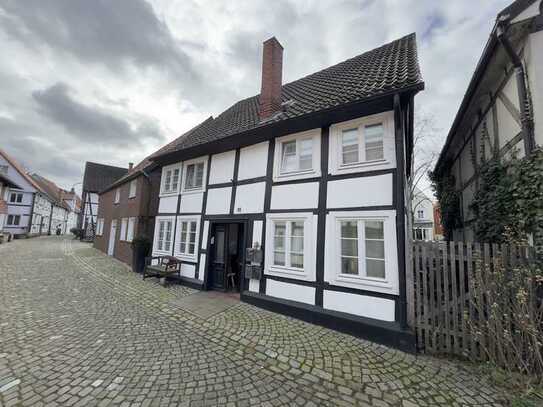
(91, 123)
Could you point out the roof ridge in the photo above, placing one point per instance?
(20, 169)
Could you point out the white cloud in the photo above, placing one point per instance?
(177, 62)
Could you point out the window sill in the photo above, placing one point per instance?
(167, 194)
(299, 274)
(294, 175)
(193, 191)
(186, 257)
(363, 164)
(364, 283)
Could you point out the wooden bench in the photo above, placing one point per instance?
(167, 266)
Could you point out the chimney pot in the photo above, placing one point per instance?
(130, 166)
(272, 73)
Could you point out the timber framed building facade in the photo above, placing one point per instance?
(311, 176)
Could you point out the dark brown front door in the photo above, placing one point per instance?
(227, 242)
(219, 261)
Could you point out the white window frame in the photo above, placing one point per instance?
(13, 217)
(333, 275)
(16, 194)
(117, 198)
(159, 219)
(132, 188)
(310, 240)
(202, 160)
(335, 160)
(172, 168)
(314, 171)
(124, 227)
(179, 228)
(131, 227)
(99, 226)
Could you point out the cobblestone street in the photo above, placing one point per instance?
(78, 329)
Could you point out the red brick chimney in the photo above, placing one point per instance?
(272, 73)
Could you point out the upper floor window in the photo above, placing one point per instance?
(16, 197)
(117, 196)
(362, 144)
(171, 176)
(420, 214)
(297, 156)
(194, 176)
(132, 188)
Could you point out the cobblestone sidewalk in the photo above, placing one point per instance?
(78, 329)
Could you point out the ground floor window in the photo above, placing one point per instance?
(130, 229)
(422, 234)
(361, 250)
(290, 242)
(164, 236)
(14, 220)
(187, 232)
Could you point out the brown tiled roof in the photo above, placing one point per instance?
(20, 169)
(51, 189)
(99, 176)
(391, 67)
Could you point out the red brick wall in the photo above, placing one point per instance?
(133, 207)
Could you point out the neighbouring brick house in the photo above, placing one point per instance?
(96, 178)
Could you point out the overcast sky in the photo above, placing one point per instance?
(112, 81)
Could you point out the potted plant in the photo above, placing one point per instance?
(141, 246)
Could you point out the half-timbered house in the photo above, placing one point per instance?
(296, 197)
(95, 178)
(502, 110)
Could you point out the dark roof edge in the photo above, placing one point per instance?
(127, 178)
(511, 11)
(409, 89)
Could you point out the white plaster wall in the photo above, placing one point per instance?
(204, 234)
(222, 167)
(253, 161)
(191, 203)
(218, 201)
(508, 128)
(292, 292)
(202, 267)
(295, 196)
(167, 204)
(188, 270)
(361, 305)
(355, 192)
(535, 70)
(250, 198)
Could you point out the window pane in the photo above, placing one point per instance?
(349, 247)
(375, 268)
(191, 248)
(199, 175)
(189, 179)
(374, 142)
(297, 260)
(279, 258)
(167, 181)
(193, 227)
(374, 229)
(279, 243)
(349, 229)
(297, 244)
(280, 229)
(182, 247)
(183, 228)
(349, 144)
(306, 154)
(175, 180)
(297, 228)
(349, 265)
(288, 161)
(375, 249)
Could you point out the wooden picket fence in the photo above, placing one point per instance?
(445, 275)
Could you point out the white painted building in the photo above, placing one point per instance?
(423, 216)
(490, 122)
(316, 185)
